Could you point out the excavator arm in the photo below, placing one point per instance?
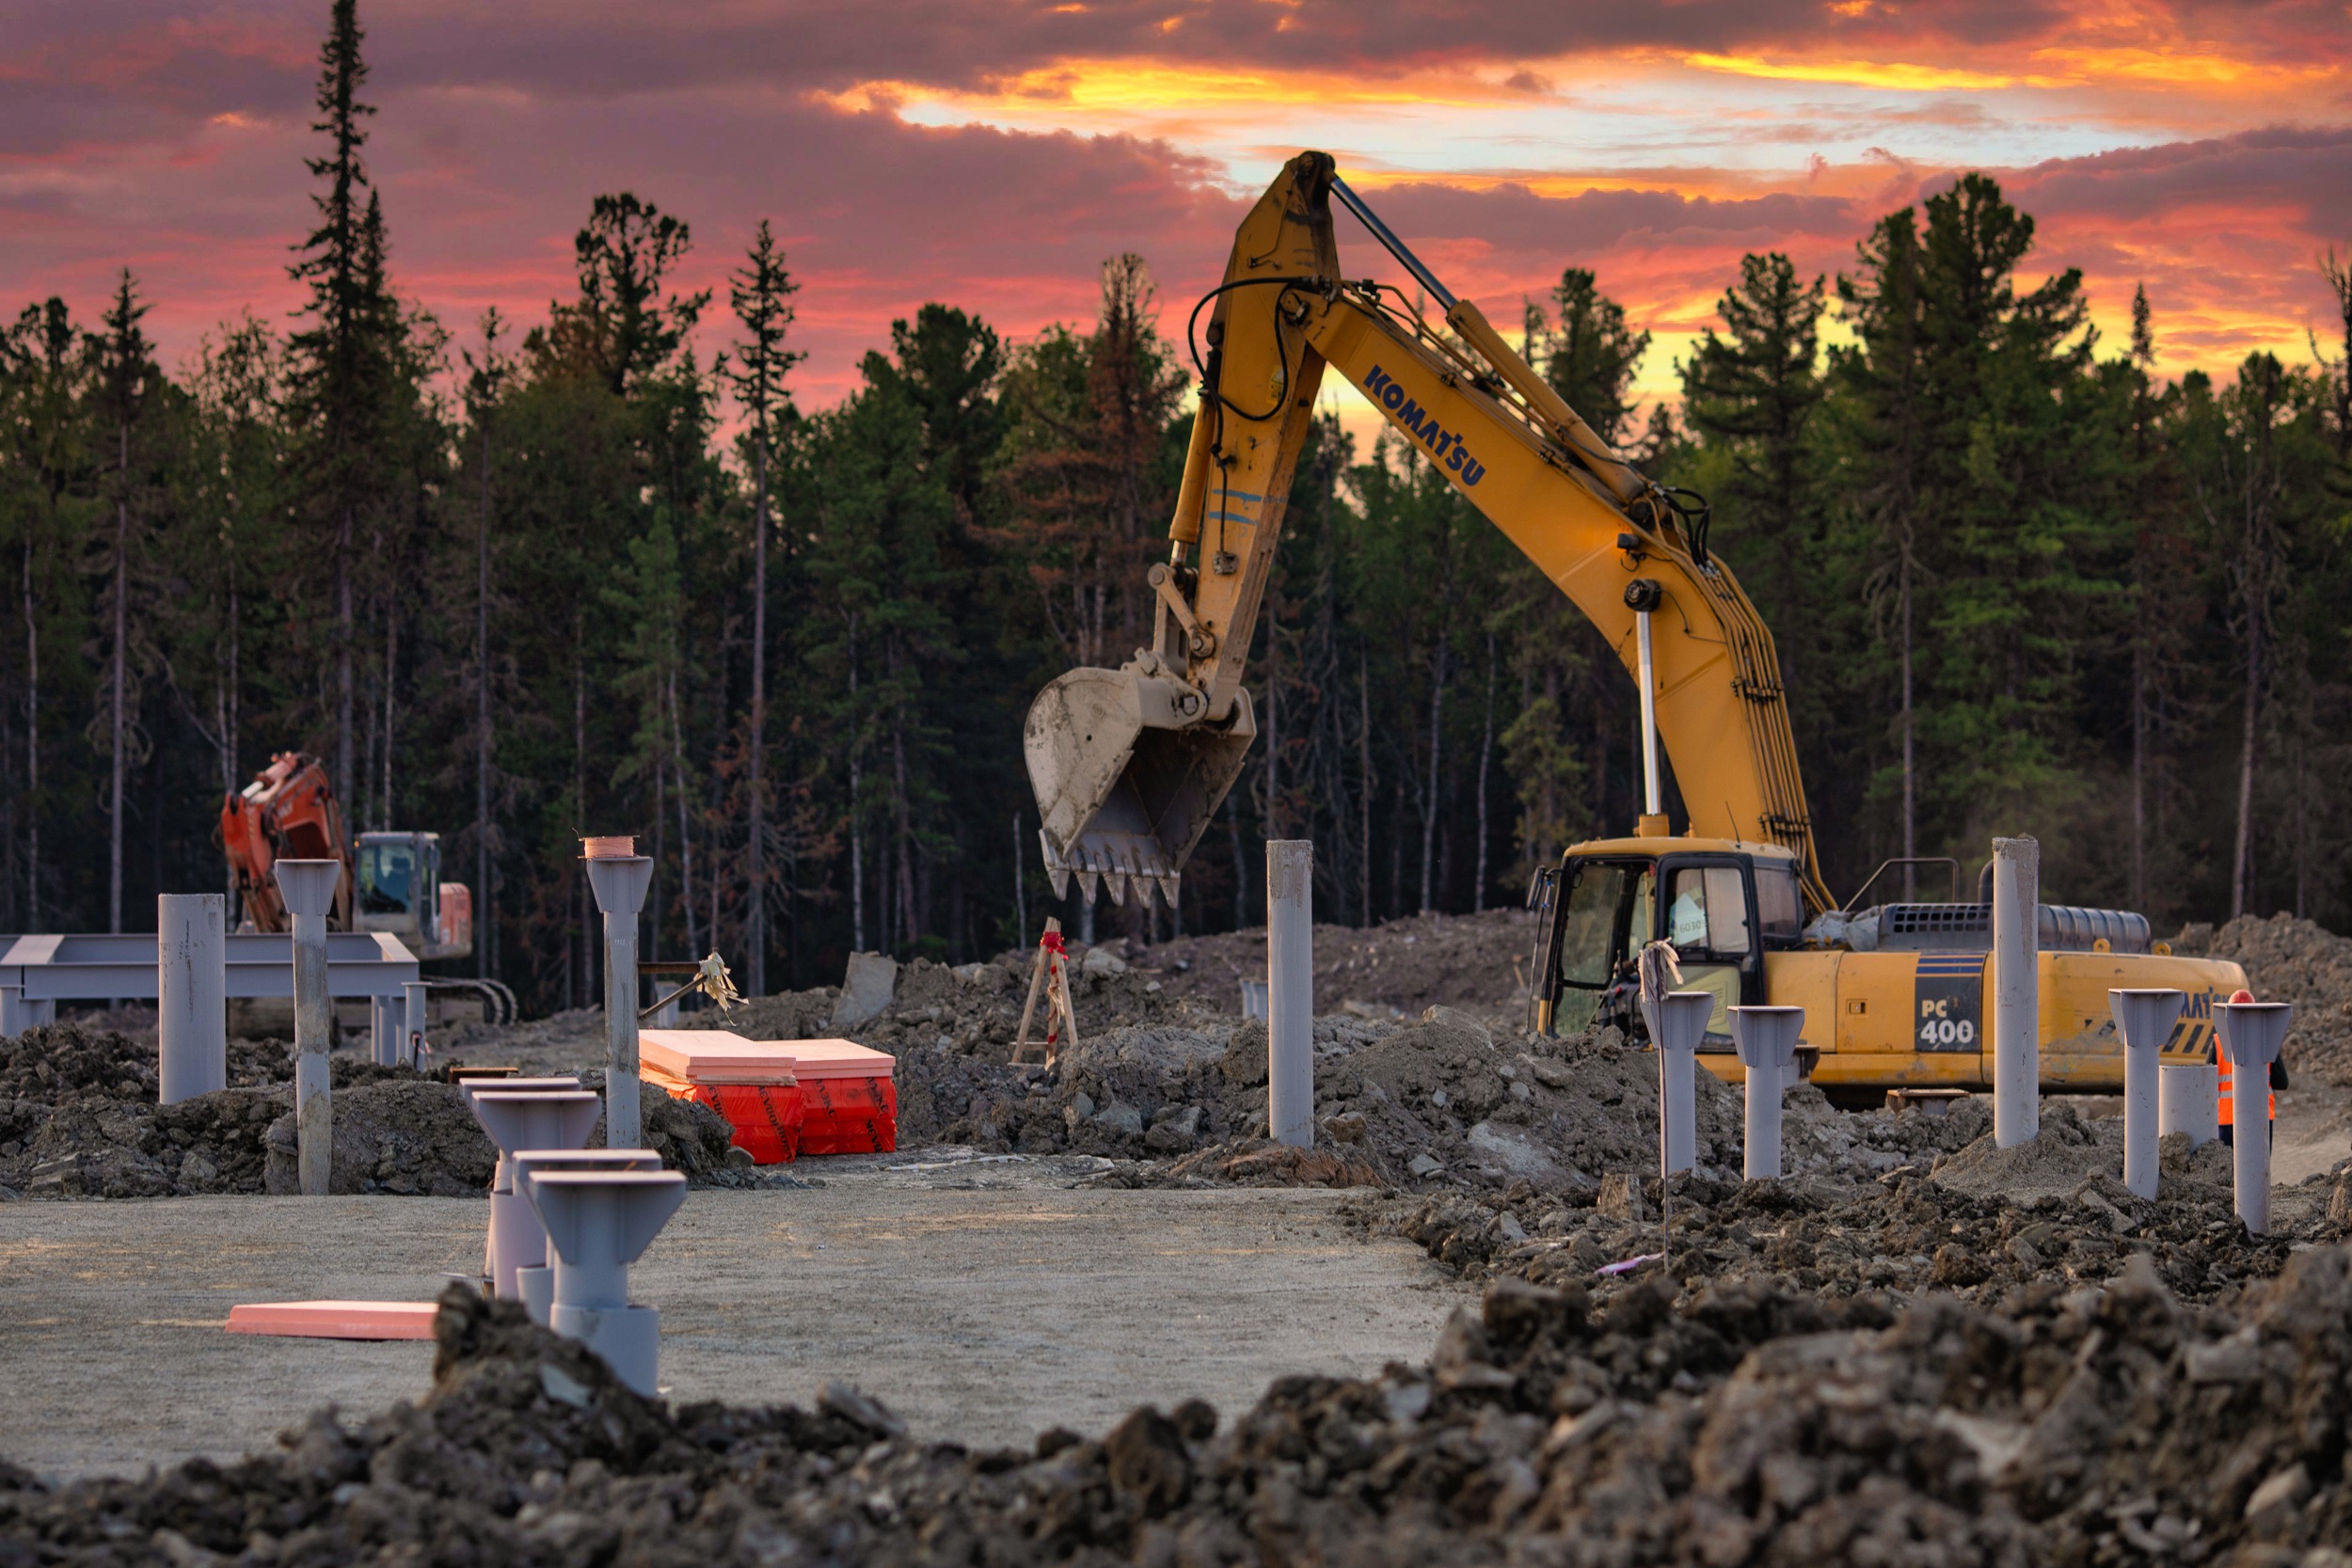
(1129, 765)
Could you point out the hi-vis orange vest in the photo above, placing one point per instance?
(2221, 1059)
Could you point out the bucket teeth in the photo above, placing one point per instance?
(1057, 868)
(1169, 882)
(1087, 876)
(1117, 883)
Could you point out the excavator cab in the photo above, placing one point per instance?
(1722, 903)
(399, 890)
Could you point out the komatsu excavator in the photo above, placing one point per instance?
(1128, 765)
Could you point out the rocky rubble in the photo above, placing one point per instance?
(1177, 1092)
(2068, 1426)
(2288, 960)
(1984, 1224)
(78, 1118)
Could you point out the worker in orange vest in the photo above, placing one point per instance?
(2229, 1101)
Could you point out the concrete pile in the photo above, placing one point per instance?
(2288, 960)
(78, 1118)
(1746, 1425)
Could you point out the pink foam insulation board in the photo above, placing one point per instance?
(335, 1320)
(839, 1059)
(716, 1057)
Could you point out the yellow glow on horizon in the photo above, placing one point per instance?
(1137, 88)
(1862, 73)
(2179, 67)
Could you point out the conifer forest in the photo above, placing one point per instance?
(610, 574)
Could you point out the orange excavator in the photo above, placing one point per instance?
(391, 882)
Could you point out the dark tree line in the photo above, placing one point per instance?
(611, 577)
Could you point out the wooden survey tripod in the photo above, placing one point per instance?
(1050, 974)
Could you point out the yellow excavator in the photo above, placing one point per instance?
(1128, 765)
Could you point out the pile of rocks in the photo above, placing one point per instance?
(1984, 1223)
(1747, 1425)
(79, 1120)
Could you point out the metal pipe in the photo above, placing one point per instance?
(192, 995)
(1676, 1025)
(1767, 1041)
(1650, 796)
(1393, 245)
(12, 1019)
(2016, 992)
(599, 1222)
(411, 1045)
(309, 890)
(535, 1283)
(1290, 967)
(2188, 1100)
(2251, 1033)
(620, 883)
(2145, 1018)
(519, 1119)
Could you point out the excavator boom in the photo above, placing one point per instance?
(1129, 765)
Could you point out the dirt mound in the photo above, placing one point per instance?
(2288, 960)
(1988, 1224)
(78, 1118)
(55, 1064)
(1746, 1425)
(1477, 962)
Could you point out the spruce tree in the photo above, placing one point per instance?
(485, 385)
(1591, 355)
(1752, 395)
(126, 387)
(49, 364)
(337, 361)
(1884, 437)
(762, 296)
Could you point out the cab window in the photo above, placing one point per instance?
(387, 876)
(1641, 927)
(1708, 911)
(1588, 924)
(1779, 908)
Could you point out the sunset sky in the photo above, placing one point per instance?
(992, 155)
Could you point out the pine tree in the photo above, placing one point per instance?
(623, 328)
(1751, 397)
(126, 387)
(233, 488)
(1884, 435)
(762, 297)
(2023, 499)
(486, 386)
(338, 372)
(48, 366)
(1591, 355)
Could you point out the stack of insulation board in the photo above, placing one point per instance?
(749, 1083)
(851, 1103)
(782, 1098)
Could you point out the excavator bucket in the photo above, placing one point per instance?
(1127, 771)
